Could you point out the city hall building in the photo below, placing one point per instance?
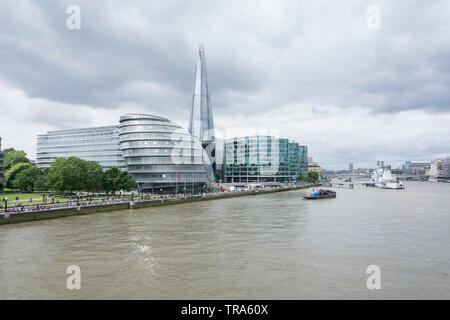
(264, 159)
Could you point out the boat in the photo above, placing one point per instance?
(320, 194)
(383, 178)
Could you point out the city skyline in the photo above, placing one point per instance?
(317, 74)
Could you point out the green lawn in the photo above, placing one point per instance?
(22, 196)
(36, 196)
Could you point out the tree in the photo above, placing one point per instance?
(313, 176)
(66, 175)
(39, 184)
(26, 179)
(13, 171)
(301, 177)
(218, 176)
(114, 180)
(126, 182)
(14, 157)
(111, 180)
(93, 176)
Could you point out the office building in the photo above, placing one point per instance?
(439, 170)
(415, 168)
(99, 144)
(314, 167)
(263, 159)
(350, 168)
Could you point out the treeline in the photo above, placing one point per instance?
(64, 175)
(312, 176)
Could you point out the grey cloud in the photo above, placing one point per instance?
(261, 55)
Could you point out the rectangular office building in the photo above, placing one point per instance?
(99, 144)
(264, 159)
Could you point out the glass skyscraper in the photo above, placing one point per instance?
(201, 124)
(99, 144)
(264, 159)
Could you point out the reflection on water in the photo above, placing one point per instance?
(258, 247)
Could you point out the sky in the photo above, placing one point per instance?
(355, 81)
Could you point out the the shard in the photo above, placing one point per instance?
(201, 124)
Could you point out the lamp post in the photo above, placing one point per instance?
(6, 204)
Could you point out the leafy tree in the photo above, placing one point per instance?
(218, 176)
(313, 176)
(26, 179)
(301, 177)
(114, 180)
(111, 180)
(126, 182)
(66, 175)
(39, 184)
(93, 176)
(13, 171)
(14, 157)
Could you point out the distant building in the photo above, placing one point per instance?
(264, 159)
(439, 170)
(415, 168)
(2, 166)
(350, 167)
(314, 167)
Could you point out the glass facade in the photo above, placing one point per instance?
(264, 159)
(201, 125)
(161, 156)
(99, 144)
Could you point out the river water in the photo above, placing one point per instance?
(273, 246)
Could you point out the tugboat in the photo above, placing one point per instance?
(320, 194)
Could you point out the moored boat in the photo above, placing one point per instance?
(320, 194)
(383, 178)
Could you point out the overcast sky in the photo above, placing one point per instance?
(324, 73)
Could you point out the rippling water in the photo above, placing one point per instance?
(274, 246)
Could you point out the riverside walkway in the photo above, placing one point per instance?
(28, 212)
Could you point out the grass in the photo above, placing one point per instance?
(22, 196)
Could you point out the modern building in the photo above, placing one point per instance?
(350, 168)
(2, 166)
(201, 124)
(99, 144)
(314, 167)
(263, 159)
(162, 156)
(439, 170)
(415, 168)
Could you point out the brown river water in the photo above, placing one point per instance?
(273, 246)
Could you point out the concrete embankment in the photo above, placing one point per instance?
(15, 217)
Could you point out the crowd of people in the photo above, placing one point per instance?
(51, 201)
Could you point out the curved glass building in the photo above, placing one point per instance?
(163, 157)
